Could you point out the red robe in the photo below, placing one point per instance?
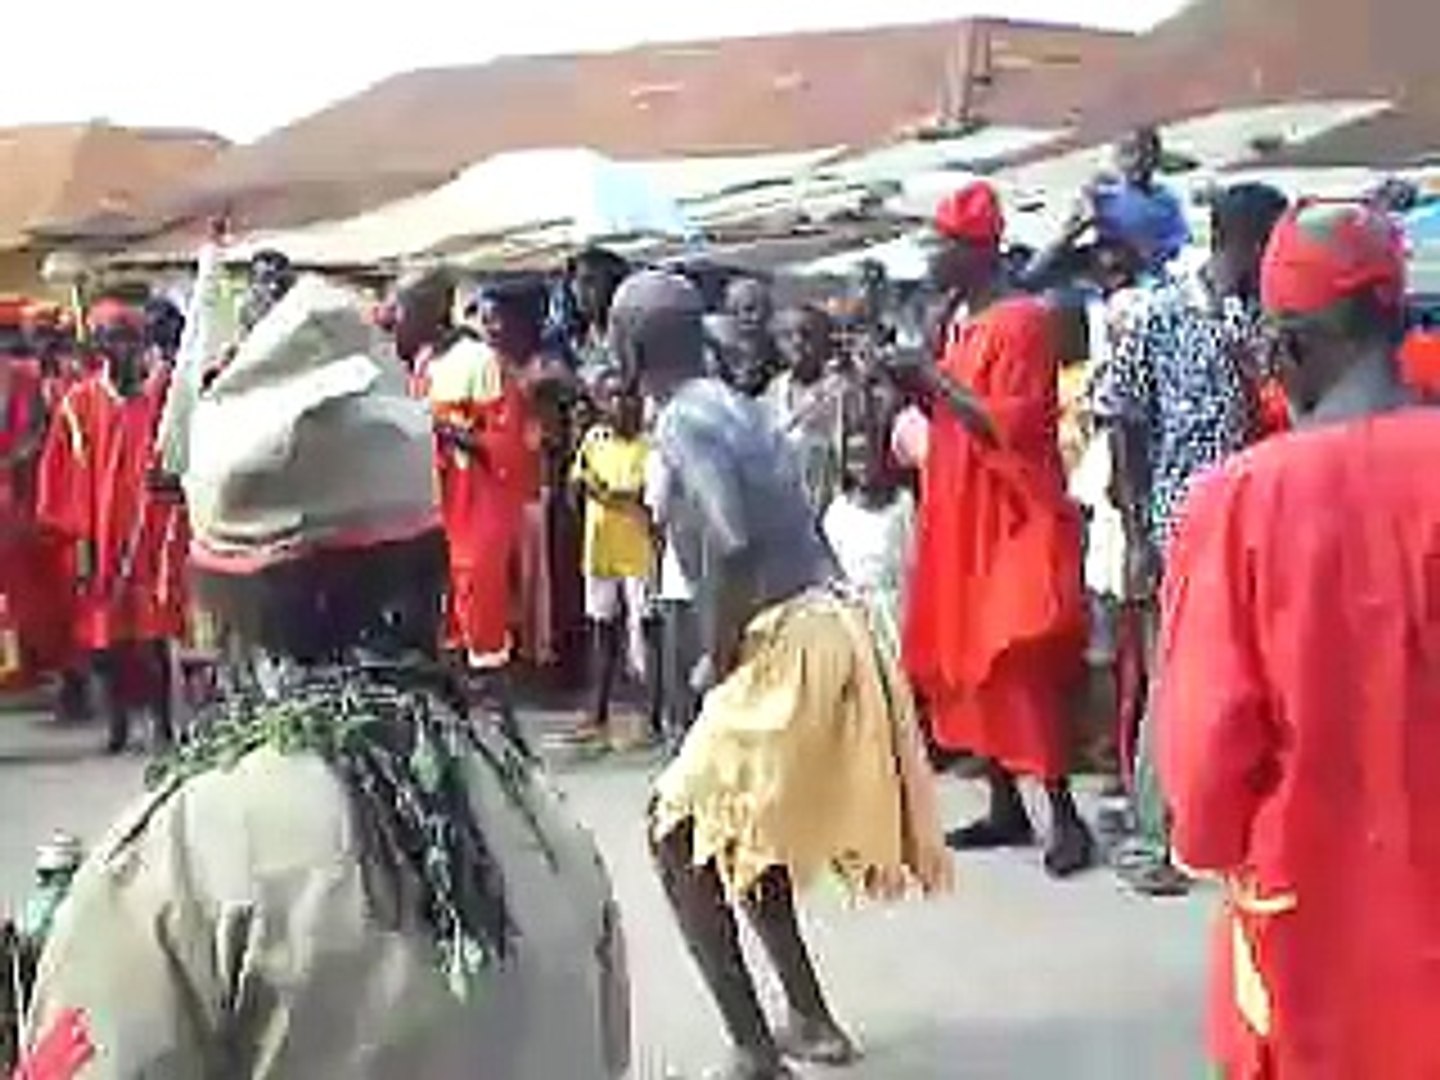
(996, 634)
(93, 491)
(27, 640)
(1420, 361)
(482, 495)
(1297, 745)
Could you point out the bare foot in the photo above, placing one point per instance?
(817, 1042)
(756, 1065)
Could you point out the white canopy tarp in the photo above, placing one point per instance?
(903, 258)
(591, 195)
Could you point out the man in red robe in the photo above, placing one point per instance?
(22, 425)
(95, 490)
(482, 462)
(1301, 651)
(995, 637)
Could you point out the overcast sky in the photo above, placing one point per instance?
(242, 68)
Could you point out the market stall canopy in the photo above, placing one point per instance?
(903, 258)
(581, 191)
(1422, 228)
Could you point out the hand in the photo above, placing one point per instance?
(1142, 569)
(1084, 213)
(908, 369)
(456, 437)
(161, 483)
(703, 677)
(84, 564)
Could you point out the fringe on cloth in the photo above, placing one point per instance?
(809, 756)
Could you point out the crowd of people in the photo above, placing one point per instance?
(831, 561)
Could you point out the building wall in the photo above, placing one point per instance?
(20, 272)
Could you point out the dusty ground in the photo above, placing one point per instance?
(1014, 976)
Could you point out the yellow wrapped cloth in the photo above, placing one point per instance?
(808, 756)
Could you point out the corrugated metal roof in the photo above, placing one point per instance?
(53, 173)
(780, 93)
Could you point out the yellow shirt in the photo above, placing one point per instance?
(617, 540)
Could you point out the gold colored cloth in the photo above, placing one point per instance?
(808, 756)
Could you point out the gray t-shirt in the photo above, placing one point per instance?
(734, 475)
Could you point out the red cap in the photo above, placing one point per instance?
(972, 214)
(41, 313)
(109, 313)
(1321, 253)
(12, 312)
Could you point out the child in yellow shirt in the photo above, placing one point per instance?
(609, 472)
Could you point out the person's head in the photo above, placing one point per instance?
(419, 311)
(1333, 287)
(657, 332)
(318, 530)
(869, 465)
(619, 404)
(164, 326)
(1114, 264)
(806, 338)
(732, 357)
(271, 277)
(965, 252)
(117, 336)
(596, 274)
(1395, 195)
(1242, 218)
(12, 328)
(45, 331)
(748, 302)
(512, 319)
(1138, 156)
(1150, 222)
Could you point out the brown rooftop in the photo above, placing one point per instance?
(786, 92)
(63, 172)
(1219, 54)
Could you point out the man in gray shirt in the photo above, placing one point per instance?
(805, 757)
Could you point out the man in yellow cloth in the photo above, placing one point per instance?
(806, 757)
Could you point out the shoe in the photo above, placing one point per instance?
(1071, 850)
(988, 834)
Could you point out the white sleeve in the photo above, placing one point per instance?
(200, 343)
(657, 484)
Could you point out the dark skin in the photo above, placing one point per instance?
(121, 347)
(27, 445)
(965, 273)
(748, 303)
(1137, 158)
(661, 362)
(971, 274)
(624, 412)
(1232, 270)
(1339, 364)
(728, 590)
(806, 337)
(423, 304)
(594, 284)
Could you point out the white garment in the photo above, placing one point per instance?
(674, 585)
(608, 599)
(873, 545)
(1105, 534)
